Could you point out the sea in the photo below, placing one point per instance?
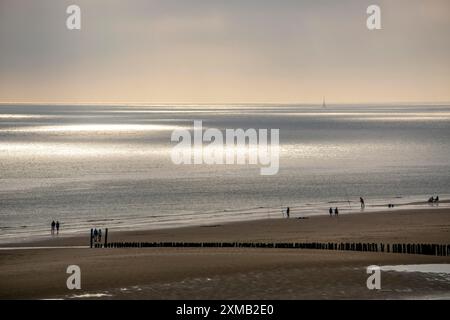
(110, 166)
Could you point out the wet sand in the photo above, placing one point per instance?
(226, 273)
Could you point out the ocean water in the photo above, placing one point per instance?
(110, 166)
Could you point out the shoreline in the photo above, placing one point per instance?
(237, 273)
(373, 209)
(150, 235)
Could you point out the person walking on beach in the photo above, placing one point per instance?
(99, 235)
(361, 200)
(53, 227)
(57, 227)
(288, 210)
(336, 212)
(331, 211)
(95, 235)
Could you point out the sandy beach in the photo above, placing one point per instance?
(226, 273)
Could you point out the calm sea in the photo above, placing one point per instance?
(110, 166)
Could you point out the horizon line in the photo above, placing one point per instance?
(61, 103)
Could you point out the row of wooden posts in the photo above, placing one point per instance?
(409, 248)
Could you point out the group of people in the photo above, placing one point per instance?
(55, 227)
(336, 211)
(433, 200)
(97, 234)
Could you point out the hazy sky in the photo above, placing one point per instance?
(224, 51)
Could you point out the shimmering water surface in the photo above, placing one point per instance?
(110, 166)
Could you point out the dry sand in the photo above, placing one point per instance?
(191, 273)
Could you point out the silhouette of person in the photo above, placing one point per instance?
(361, 200)
(331, 211)
(99, 235)
(53, 226)
(95, 235)
(288, 210)
(336, 211)
(57, 227)
(437, 199)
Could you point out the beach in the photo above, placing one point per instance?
(236, 273)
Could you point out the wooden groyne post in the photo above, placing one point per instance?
(106, 238)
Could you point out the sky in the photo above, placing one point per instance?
(224, 51)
